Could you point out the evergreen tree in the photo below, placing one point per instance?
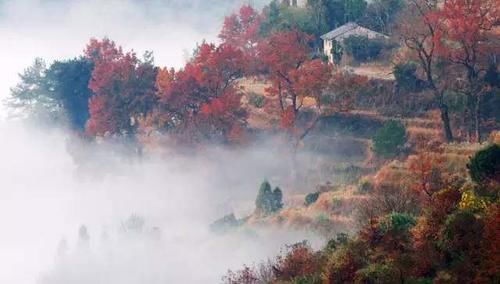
(268, 201)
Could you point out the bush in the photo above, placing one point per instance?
(461, 242)
(225, 224)
(300, 261)
(134, 224)
(485, 165)
(268, 201)
(340, 240)
(378, 273)
(256, 100)
(361, 48)
(389, 139)
(406, 77)
(397, 222)
(311, 198)
(365, 186)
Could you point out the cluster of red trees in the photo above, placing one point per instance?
(202, 100)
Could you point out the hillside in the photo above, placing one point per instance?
(332, 141)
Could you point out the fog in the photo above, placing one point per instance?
(60, 29)
(50, 185)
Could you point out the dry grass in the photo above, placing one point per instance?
(330, 214)
(392, 174)
(422, 136)
(373, 70)
(495, 137)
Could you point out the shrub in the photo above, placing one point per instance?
(461, 243)
(268, 201)
(134, 224)
(485, 165)
(406, 77)
(397, 222)
(244, 276)
(342, 264)
(470, 201)
(256, 100)
(315, 279)
(365, 186)
(225, 224)
(361, 48)
(389, 139)
(340, 240)
(299, 262)
(311, 198)
(387, 199)
(337, 52)
(378, 273)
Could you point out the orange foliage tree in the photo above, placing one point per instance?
(426, 172)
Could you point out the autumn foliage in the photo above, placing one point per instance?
(204, 96)
(293, 74)
(124, 88)
(241, 30)
(449, 239)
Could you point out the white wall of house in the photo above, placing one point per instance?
(327, 49)
(358, 31)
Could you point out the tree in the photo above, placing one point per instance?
(83, 236)
(329, 14)
(389, 139)
(58, 93)
(361, 48)
(464, 38)
(426, 172)
(406, 77)
(311, 198)
(68, 82)
(202, 101)
(268, 201)
(418, 31)
(381, 14)
(282, 17)
(484, 166)
(32, 96)
(294, 77)
(241, 30)
(124, 88)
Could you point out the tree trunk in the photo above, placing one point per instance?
(445, 118)
(477, 119)
(470, 117)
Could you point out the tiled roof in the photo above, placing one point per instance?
(349, 29)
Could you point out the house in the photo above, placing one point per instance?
(334, 40)
(294, 3)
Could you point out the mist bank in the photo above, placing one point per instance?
(51, 185)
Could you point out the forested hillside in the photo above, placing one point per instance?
(388, 147)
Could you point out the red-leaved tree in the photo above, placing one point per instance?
(124, 88)
(464, 37)
(295, 77)
(202, 101)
